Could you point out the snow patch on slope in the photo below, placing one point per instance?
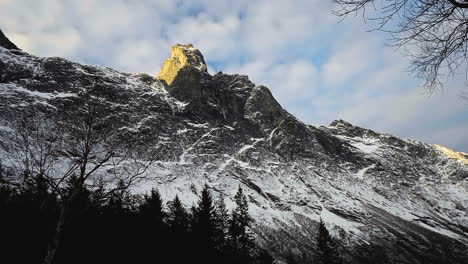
(335, 220)
(360, 174)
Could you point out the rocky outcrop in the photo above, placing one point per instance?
(263, 108)
(184, 72)
(6, 43)
(182, 56)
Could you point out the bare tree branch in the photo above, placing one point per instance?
(459, 4)
(433, 33)
(79, 144)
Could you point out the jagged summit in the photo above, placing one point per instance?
(340, 122)
(6, 43)
(184, 73)
(347, 129)
(182, 56)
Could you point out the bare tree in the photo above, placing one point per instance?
(433, 33)
(85, 143)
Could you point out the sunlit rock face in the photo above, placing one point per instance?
(378, 194)
(460, 156)
(182, 56)
(184, 72)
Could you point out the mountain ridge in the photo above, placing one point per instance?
(225, 131)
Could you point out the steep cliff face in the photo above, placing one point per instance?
(376, 192)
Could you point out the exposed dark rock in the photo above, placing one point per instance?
(6, 43)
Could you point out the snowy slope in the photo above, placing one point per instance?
(406, 196)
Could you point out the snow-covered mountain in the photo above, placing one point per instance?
(377, 193)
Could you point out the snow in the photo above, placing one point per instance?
(366, 148)
(182, 157)
(450, 153)
(180, 104)
(360, 173)
(182, 131)
(440, 230)
(335, 220)
(365, 144)
(204, 125)
(14, 87)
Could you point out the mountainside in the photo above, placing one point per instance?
(377, 193)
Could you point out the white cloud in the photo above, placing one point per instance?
(288, 81)
(216, 38)
(352, 57)
(62, 43)
(453, 137)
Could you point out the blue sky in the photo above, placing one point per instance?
(318, 68)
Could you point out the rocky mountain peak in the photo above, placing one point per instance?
(347, 129)
(182, 56)
(340, 123)
(6, 43)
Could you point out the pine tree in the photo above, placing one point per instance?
(222, 218)
(222, 222)
(178, 218)
(204, 227)
(152, 208)
(241, 240)
(120, 201)
(178, 221)
(263, 257)
(291, 257)
(150, 227)
(326, 250)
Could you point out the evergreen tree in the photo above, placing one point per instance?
(263, 257)
(205, 229)
(241, 240)
(178, 239)
(326, 250)
(222, 218)
(120, 201)
(151, 226)
(178, 218)
(151, 209)
(291, 257)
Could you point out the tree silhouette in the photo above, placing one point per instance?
(81, 144)
(178, 224)
(151, 209)
(204, 226)
(121, 227)
(241, 240)
(178, 218)
(222, 222)
(326, 250)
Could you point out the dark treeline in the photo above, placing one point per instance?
(119, 227)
